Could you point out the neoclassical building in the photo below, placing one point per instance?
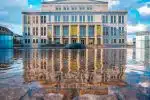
(88, 22)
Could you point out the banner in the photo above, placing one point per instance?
(99, 30)
(74, 30)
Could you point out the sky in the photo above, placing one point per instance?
(138, 13)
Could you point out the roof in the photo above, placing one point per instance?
(74, 1)
(39, 12)
(5, 31)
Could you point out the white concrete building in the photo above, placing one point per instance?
(70, 21)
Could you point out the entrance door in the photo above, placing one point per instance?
(82, 42)
(74, 41)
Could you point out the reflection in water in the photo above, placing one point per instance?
(81, 71)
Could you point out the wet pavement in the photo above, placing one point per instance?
(91, 74)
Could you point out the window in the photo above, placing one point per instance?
(44, 31)
(113, 31)
(28, 30)
(36, 40)
(90, 18)
(121, 30)
(26, 41)
(113, 19)
(41, 31)
(122, 40)
(28, 19)
(82, 18)
(58, 8)
(115, 41)
(121, 19)
(91, 30)
(74, 18)
(33, 40)
(105, 19)
(82, 30)
(119, 40)
(105, 30)
(33, 18)
(33, 30)
(36, 30)
(57, 30)
(57, 18)
(65, 30)
(65, 18)
(37, 20)
(43, 19)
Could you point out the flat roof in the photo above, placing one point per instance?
(39, 12)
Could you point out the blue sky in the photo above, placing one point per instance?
(138, 13)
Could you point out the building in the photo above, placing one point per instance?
(69, 21)
(143, 39)
(17, 40)
(6, 38)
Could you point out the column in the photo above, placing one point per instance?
(95, 59)
(69, 34)
(102, 35)
(78, 34)
(95, 34)
(61, 34)
(87, 38)
(69, 60)
(61, 59)
(78, 60)
(86, 64)
(52, 33)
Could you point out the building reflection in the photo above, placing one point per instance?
(78, 69)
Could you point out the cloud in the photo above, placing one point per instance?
(144, 10)
(136, 28)
(113, 3)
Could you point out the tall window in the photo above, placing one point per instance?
(33, 19)
(121, 19)
(65, 18)
(57, 30)
(28, 30)
(28, 19)
(43, 19)
(65, 30)
(121, 30)
(105, 19)
(37, 31)
(105, 30)
(82, 18)
(91, 30)
(57, 18)
(33, 30)
(113, 31)
(74, 18)
(113, 19)
(90, 18)
(83, 30)
(37, 20)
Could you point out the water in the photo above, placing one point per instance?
(91, 74)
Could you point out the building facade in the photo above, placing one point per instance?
(74, 21)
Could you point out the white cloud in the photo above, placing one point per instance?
(144, 10)
(136, 28)
(113, 3)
